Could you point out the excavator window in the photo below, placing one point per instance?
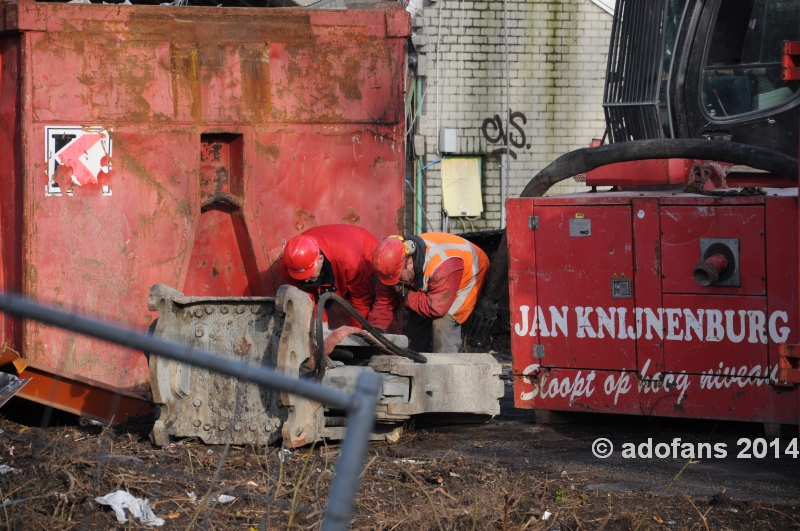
(742, 71)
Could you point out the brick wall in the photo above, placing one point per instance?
(557, 55)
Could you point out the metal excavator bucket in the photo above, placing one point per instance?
(278, 332)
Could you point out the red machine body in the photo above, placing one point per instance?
(183, 145)
(607, 315)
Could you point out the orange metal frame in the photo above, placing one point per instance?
(72, 393)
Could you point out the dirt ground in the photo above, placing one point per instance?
(506, 474)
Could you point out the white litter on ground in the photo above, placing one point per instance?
(139, 508)
(222, 498)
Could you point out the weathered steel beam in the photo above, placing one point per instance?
(72, 393)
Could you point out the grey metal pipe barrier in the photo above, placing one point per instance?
(360, 405)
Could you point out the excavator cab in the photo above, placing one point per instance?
(694, 69)
(742, 72)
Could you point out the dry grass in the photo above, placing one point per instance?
(63, 469)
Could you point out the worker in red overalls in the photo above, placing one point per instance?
(437, 276)
(333, 258)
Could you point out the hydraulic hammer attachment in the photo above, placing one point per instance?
(277, 332)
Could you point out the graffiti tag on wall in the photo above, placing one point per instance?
(494, 133)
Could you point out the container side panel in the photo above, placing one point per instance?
(100, 254)
(11, 172)
(128, 103)
(162, 68)
(338, 81)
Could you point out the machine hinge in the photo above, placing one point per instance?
(533, 222)
(538, 352)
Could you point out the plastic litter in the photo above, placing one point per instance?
(139, 508)
(5, 469)
(547, 515)
(670, 522)
(222, 498)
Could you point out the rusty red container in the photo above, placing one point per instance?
(184, 145)
(608, 317)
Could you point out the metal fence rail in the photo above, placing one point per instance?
(360, 405)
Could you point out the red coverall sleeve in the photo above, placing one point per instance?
(386, 302)
(442, 289)
(359, 290)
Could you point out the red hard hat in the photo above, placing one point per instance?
(301, 255)
(387, 259)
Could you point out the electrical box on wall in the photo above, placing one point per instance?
(461, 186)
(448, 141)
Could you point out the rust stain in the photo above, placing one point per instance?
(348, 83)
(184, 208)
(186, 74)
(400, 219)
(63, 177)
(303, 220)
(352, 217)
(270, 152)
(256, 86)
(335, 65)
(196, 27)
(137, 76)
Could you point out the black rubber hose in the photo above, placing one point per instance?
(587, 159)
(377, 334)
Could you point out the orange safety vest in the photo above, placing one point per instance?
(440, 246)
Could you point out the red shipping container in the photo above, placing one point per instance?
(149, 144)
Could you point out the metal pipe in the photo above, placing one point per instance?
(354, 450)
(438, 45)
(20, 307)
(418, 212)
(707, 272)
(504, 171)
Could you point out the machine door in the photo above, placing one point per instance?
(691, 232)
(724, 326)
(732, 87)
(584, 269)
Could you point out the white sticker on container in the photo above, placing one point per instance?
(86, 150)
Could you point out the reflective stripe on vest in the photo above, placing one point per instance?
(440, 247)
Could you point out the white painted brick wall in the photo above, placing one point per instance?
(557, 55)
